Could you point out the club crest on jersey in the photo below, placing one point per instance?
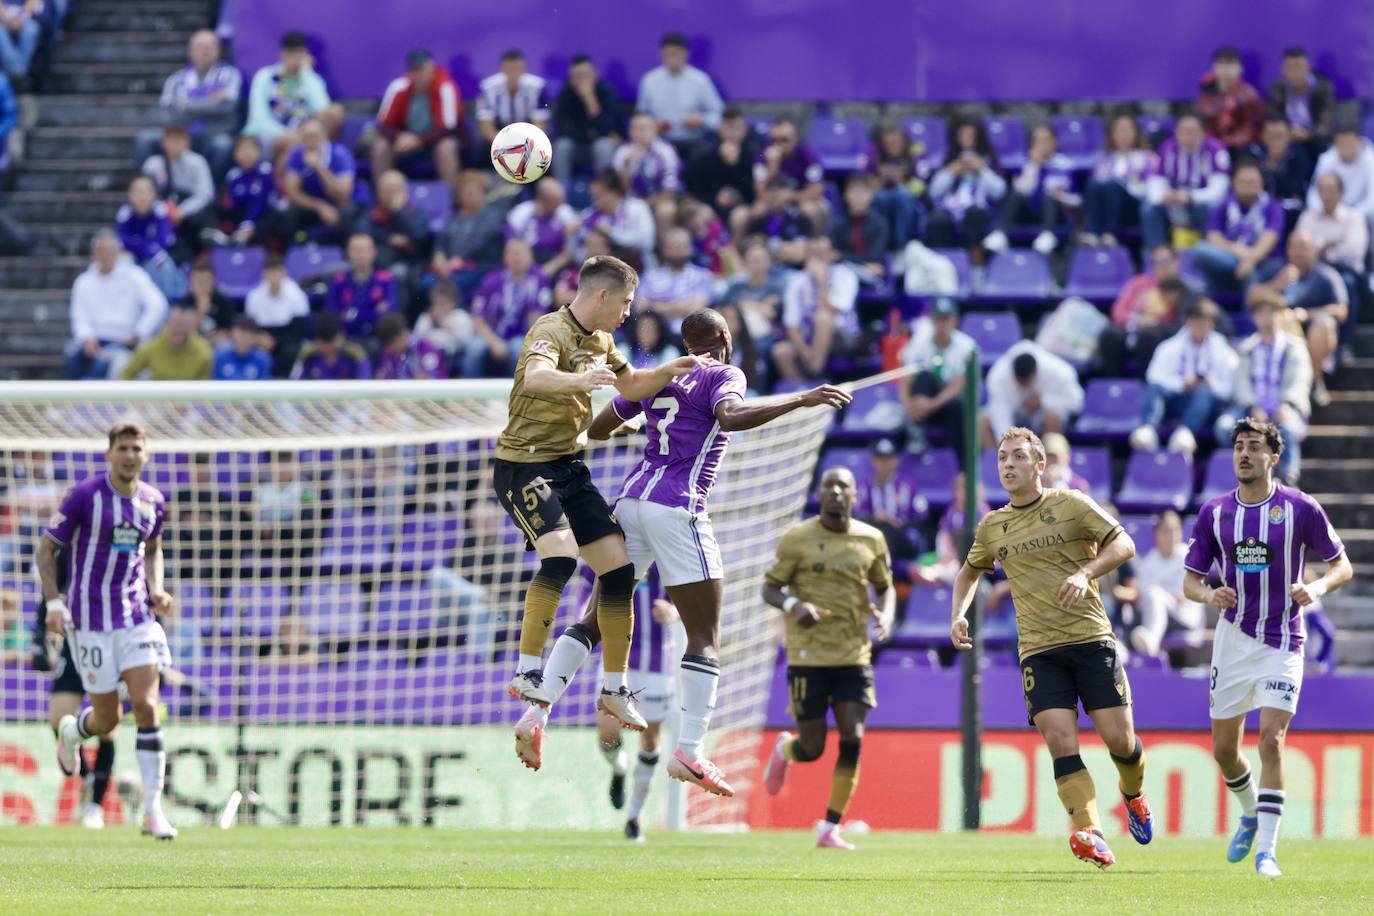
(1277, 514)
(583, 359)
(1047, 516)
(1251, 555)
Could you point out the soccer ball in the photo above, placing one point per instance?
(521, 153)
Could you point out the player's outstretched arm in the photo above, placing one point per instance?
(608, 423)
(1195, 588)
(734, 414)
(638, 384)
(542, 378)
(1338, 572)
(964, 584)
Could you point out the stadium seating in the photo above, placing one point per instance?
(401, 609)
(427, 540)
(926, 621)
(1094, 465)
(1007, 134)
(1080, 139)
(237, 270)
(963, 268)
(255, 608)
(1111, 409)
(1141, 528)
(932, 133)
(875, 410)
(1218, 478)
(840, 143)
(304, 262)
(856, 459)
(333, 609)
(1017, 275)
(434, 200)
(1156, 127)
(1097, 274)
(994, 332)
(1155, 481)
(933, 472)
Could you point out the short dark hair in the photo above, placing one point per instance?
(579, 58)
(1273, 439)
(731, 112)
(1294, 51)
(701, 326)
(1226, 54)
(328, 325)
(121, 430)
(1273, 118)
(203, 266)
(445, 288)
(245, 323)
(1172, 285)
(293, 41)
(1202, 308)
(861, 179)
(1246, 162)
(1190, 114)
(1346, 126)
(389, 327)
(673, 40)
(512, 54)
(274, 260)
(175, 129)
(610, 179)
(605, 270)
(1023, 366)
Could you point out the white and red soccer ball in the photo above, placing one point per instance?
(521, 153)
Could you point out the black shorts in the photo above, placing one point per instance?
(66, 679)
(1059, 678)
(813, 688)
(552, 495)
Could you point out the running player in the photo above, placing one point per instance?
(1258, 534)
(821, 582)
(111, 526)
(1054, 545)
(662, 506)
(65, 700)
(545, 488)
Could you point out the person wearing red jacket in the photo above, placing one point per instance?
(408, 133)
(1232, 110)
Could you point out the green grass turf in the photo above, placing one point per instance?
(272, 870)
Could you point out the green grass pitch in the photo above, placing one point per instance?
(268, 870)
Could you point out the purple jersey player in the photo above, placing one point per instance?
(111, 527)
(662, 508)
(1257, 537)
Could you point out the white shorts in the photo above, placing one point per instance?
(102, 657)
(1246, 674)
(682, 544)
(656, 702)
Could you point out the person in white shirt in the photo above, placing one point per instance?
(627, 221)
(281, 309)
(676, 287)
(681, 98)
(1191, 379)
(817, 312)
(1341, 232)
(115, 307)
(939, 351)
(444, 324)
(1352, 158)
(1030, 386)
(512, 95)
(1159, 581)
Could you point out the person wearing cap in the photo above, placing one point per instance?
(1191, 378)
(1030, 386)
(242, 360)
(283, 95)
(420, 120)
(889, 500)
(939, 351)
(1059, 472)
(178, 354)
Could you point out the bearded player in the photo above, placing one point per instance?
(1054, 545)
(1259, 534)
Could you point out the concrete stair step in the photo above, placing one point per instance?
(63, 238)
(1347, 407)
(35, 340)
(27, 273)
(75, 175)
(1359, 545)
(151, 17)
(1347, 510)
(43, 366)
(1358, 376)
(127, 111)
(112, 47)
(41, 306)
(1354, 648)
(45, 143)
(1342, 475)
(134, 77)
(1331, 441)
(56, 207)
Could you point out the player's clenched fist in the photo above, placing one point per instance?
(1304, 593)
(1223, 598)
(958, 634)
(596, 378)
(826, 396)
(808, 615)
(1073, 590)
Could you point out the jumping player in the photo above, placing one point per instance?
(1259, 534)
(1054, 545)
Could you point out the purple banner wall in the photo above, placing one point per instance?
(920, 50)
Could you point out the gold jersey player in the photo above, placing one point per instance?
(821, 582)
(1054, 545)
(545, 487)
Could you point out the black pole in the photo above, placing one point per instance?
(970, 708)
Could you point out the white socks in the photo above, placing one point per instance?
(700, 675)
(644, 775)
(569, 652)
(1270, 810)
(152, 762)
(1243, 788)
(528, 663)
(614, 680)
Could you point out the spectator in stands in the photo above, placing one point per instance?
(780, 224)
(712, 245)
(145, 230)
(203, 95)
(1059, 472)
(1242, 232)
(1232, 109)
(281, 310)
(19, 35)
(469, 245)
(889, 500)
(893, 160)
(650, 344)
(215, 310)
(504, 306)
(331, 356)
(1305, 100)
(965, 190)
(1319, 301)
(399, 229)
(1287, 167)
(648, 166)
(723, 175)
(627, 221)
(547, 223)
(318, 183)
(1352, 158)
(513, 94)
(939, 351)
(364, 292)
(861, 234)
(182, 181)
(444, 324)
(676, 287)
(1039, 195)
(681, 98)
(1340, 233)
(294, 646)
(246, 209)
(1112, 198)
(242, 360)
(586, 121)
(1190, 380)
(793, 162)
(746, 353)
(1030, 386)
(420, 120)
(178, 354)
(594, 243)
(284, 95)
(949, 557)
(1161, 605)
(1273, 383)
(818, 314)
(1190, 178)
(1145, 314)
(403, 356)
(757, 292)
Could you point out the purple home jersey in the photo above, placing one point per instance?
(653, 641)
(105, 533)
(685, 442)
(1260, 550)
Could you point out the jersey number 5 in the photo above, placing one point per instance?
(669, 407)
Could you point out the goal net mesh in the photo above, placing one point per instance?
(338, 559)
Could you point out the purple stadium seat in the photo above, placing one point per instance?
(994, 332)
(199, 608)
(1189, 271)
(1017, 274)
(1156, 481)
(840, 143)
(760, 124)
(932, 133)
(235, 473)
(909, 659)
(963, 267)
(926, 622)
(1219, 478)
(255, 608)
(305, 261)
(933, 472)
(1094, 465)
(1007, 134)
(1156, 127)
(350, 132)
(400, 608)
(856, 459)
(333, 608)
(875, 410)
(1141, 528)
(434, 200)
(355, 544)
(427, 540)
(1097, 274)
(991, 479)
(1080, 139)
(1148, 662)
(237, 270)
(168, 472)
(1111, 409)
